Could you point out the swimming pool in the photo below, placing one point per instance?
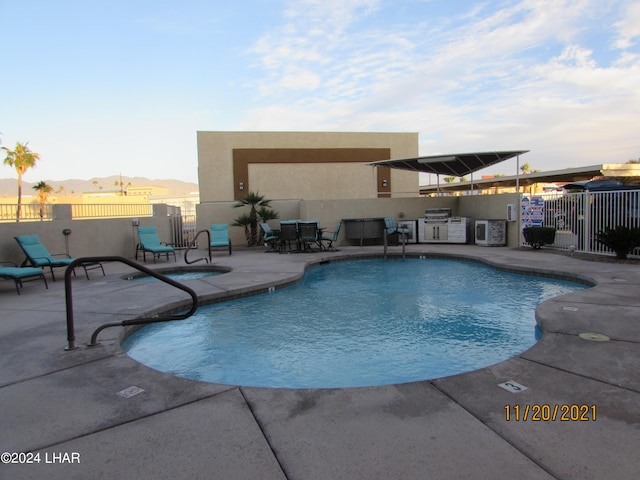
(356, 323)
(177, 275)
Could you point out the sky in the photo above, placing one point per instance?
(122, 87)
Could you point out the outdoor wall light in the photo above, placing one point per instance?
(385, 184)
(66, 232)
(241, 185)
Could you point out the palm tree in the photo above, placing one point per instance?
(259, 208)
(525, 168)
(22, 159)
(44, 190)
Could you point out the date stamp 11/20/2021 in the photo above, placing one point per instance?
(550, 413)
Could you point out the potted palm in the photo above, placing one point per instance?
(260, 211)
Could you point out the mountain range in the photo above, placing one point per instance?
(9, 186)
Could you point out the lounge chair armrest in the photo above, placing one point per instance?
(12, 264)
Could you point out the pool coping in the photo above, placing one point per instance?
(455, 424)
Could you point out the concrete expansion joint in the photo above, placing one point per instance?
(53, 372)
(569, 372)
(264, 434)
(515, 446)
(593, 337)
(127, 422)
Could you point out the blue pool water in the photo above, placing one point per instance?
(356, 323)
(177, 276)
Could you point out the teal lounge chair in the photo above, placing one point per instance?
(220, 236)
(20, 274)
(150, 242)
(38, 256)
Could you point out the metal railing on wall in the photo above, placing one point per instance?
(79, 211)
(84, 211)
(32, 212)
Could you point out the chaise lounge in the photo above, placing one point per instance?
(20, 274)
(38, 256)
(150, 242)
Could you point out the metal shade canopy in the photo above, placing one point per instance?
(456, 164)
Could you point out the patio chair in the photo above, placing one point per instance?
(150, 242)
(20, 274)
(271, 238)
(332, 238)
(38, 256)
(307, 234)
(288, 234)
(220, 236)
(391, 227)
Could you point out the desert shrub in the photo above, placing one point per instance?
(537, 237)
(620, 239)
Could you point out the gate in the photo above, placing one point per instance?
(182, 226)
(578, 217)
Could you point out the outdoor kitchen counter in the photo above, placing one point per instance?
(364, 229)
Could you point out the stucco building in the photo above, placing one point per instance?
(303, 165)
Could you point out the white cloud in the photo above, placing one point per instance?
(524, 76)
(302, 80)
(628, 27)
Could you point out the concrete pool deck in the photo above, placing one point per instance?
(56, 402)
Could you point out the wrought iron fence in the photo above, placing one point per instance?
(578, 217)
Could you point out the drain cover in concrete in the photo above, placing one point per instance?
(130, 392)
(594, 337)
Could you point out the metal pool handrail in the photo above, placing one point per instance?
(194, 244)
(139, 321)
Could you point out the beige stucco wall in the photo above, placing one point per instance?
(95, 237)
(117, 236)
(492, 207)
(330, 212)
(313, 182)
(295, 181)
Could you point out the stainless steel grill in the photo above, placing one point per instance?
(437, 215)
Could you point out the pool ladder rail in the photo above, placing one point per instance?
(194, 244)
(125, 323)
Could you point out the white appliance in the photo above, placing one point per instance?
(438, 226)
(491, 233)
(412, 225)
